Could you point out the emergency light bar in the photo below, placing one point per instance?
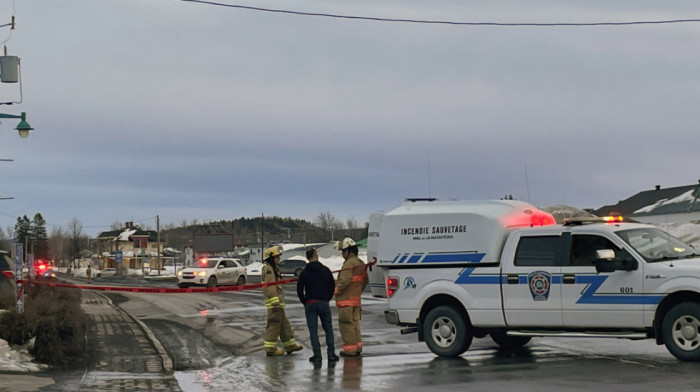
(593, 219)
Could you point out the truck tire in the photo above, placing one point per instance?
(681, 331)
(446, 331)
(506, 341)
(211, 282)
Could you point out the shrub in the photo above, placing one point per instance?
(14, 328)
(53, 315)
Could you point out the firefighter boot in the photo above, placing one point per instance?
(294, 347)
(275, 353)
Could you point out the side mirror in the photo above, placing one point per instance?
(221, 266)
(604, 260)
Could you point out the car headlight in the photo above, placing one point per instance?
(202, 273)
(179, 273)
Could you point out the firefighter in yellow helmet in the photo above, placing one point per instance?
(352, 280)
(277, 323)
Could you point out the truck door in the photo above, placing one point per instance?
(591, 299)
(531, 282)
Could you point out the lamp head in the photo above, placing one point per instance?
(23, 126)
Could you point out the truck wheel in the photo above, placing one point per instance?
(506, 341)
(446, 332)
(241, 281)
(681, 331)
(211, 282)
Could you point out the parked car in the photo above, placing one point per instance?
(212, 272)
(7, 275)
(254, 271)
(292, 266)
(107, 272)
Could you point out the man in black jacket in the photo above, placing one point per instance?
(315, 288)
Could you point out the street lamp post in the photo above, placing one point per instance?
(23, 126)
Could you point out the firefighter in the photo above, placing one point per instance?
(277, 323)
(352, 280)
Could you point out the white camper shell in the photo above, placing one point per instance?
(444, 233)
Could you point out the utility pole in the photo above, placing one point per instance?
(158, 239)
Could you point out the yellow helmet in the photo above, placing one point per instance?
(271, 252)
(344, 244)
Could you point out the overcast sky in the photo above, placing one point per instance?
(192, 111)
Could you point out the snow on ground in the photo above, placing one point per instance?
(18, 359)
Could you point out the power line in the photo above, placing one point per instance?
(444, 22)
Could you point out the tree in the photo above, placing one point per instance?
(351, 223)
(41, 244)
(75, 229)
(116, 225)
(328, 223)
(58, 245)
(23, 230)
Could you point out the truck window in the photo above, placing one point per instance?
(537, 251)
(584, 247)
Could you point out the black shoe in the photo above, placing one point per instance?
(333, 358)
(344, 354)
(315, 359)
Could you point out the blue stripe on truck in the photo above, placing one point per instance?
(588, 296)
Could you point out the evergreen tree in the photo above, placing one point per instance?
(41, 244)
(23, 230)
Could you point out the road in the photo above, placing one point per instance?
(215, 341)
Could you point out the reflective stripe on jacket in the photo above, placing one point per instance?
(352, 280)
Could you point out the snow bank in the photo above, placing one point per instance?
(19, 359)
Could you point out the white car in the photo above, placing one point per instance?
(107, 272)
(212, 272)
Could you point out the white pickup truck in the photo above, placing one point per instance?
(457, 270)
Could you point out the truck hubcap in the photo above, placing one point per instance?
(685, 333)
(444, 332)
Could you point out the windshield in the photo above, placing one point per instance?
(656, 245)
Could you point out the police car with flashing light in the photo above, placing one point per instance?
(457, 270)
(212, 272)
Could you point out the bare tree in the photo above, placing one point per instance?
(116, 225)
(58, 245)
(328, 223)
(75, 228)
(351, 223)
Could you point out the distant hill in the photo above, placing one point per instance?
(248, 231)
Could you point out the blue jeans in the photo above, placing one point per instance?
(313, 312)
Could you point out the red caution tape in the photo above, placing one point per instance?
(170, 290)
(160, 290)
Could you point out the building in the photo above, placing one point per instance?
(131, 247)
(678, 204)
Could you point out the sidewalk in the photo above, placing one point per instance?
(125, 356)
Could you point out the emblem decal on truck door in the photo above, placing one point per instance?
(409, 283)
(539, 282)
